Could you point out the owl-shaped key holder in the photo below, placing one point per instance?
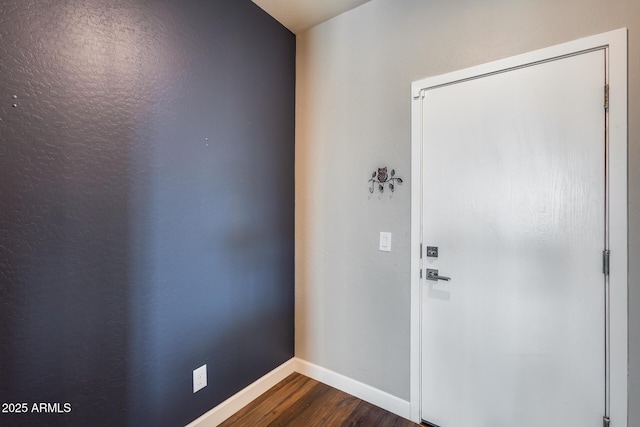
(381, 179)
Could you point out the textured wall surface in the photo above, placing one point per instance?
(353, 115)
(146, 206)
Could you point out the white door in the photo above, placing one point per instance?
(514, 199)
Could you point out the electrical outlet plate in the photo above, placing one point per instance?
(385, 241)
(199, 378)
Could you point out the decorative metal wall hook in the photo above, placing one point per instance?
(381, 178)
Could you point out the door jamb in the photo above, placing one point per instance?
(616, 42)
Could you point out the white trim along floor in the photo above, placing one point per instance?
(245, 396)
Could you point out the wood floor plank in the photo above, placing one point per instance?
(265, 409)
(392, 420)
(299, 401)
(337, 407)
(299, 411)
(365, 415)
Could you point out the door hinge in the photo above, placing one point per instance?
(421, 273)
(606, 255)
(606, 97)
(605, 421)
(420, 250)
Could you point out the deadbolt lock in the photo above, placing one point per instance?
(432, 251)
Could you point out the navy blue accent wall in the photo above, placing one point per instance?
(146, 206)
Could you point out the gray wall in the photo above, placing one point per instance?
(146, 206)
(353, 115)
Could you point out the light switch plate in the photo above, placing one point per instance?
(385, 241)
(199, 378)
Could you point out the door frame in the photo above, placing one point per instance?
(616, 44)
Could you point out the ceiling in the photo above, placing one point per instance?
(300, 15)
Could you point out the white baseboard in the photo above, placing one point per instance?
(360, 390)
(245, 396)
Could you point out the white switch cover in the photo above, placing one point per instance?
(199, 378)
(385, 241)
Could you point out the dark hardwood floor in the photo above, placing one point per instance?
(299, 401)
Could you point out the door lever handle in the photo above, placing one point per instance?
(433, 275)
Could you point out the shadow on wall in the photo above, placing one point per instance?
(135, 242)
